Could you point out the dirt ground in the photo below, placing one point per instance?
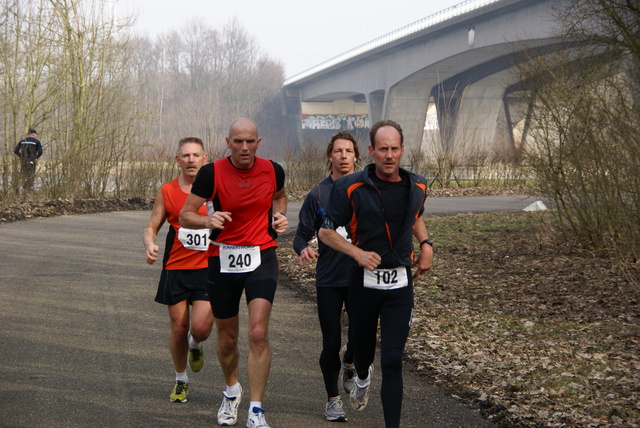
(535, 332)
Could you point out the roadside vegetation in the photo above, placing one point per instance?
(583, 111)
(110, 105)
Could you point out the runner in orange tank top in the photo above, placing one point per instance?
(183, 281)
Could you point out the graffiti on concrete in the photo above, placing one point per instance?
(335, 121)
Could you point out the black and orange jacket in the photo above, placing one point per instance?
(356, 201)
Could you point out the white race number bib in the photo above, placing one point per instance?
(386, 279)
(194, 239)
(239, 259)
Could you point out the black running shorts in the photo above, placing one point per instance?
(225, 289)
(178, 285)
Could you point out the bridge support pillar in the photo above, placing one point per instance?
(375, 103)
(474, 119)
(407, 105)
(292, 117)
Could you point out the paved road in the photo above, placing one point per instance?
(450, 206)
(84, 345)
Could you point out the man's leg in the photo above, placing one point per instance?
(259, 361)
(179, 324)
(201, 320)
(329, 301)
(364, 307)
(29, 175)
(227, 348)
(395, 323)
(228, 356)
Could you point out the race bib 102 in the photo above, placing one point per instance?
(386, 279)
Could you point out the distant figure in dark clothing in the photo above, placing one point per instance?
(29, 150)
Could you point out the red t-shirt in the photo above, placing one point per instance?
(247, 195)
(176, 256)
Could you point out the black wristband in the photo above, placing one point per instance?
(282, 213)
(427, 241)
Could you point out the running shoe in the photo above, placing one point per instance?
(179, 394)
(359, 396)
(196, 358)
(256, 419)
(348, 372)
(228, 412)
(334, 411)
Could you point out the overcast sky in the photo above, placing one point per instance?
(299, 34)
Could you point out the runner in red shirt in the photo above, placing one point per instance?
(246, 203)
(183, 282)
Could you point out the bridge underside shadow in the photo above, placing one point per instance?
(459, 71)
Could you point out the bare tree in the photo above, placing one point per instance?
(95, 117)
(583, 147)
(28, 84)
(111, 106)
(205, 78)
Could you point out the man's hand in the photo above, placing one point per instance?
(280, 223)
(152, 254)
(367, 259)
(218, 219)
(424, 261)
(308, 255)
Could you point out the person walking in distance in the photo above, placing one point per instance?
(247, 206)
(183, 281)
(28, 150)
(383, 204)
(332, 281)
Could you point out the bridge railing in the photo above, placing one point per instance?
(436, 18)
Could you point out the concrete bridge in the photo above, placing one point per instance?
(451, 71)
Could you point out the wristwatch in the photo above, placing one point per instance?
(427, 241)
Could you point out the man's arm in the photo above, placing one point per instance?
(280, 222)
(307, 229)
(366, 259)
(425, 260)
(190, 218)
(158, 216)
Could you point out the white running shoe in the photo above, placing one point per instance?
(256, 419)
(334, 412)
(359, 396)
(228, 412)
(347, 373)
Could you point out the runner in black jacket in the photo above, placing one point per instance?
(383, 206)
(332, 280)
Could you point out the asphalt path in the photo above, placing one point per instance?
(449, 206)
(83, 344)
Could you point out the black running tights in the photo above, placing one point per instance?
(330, 302)
(394, 309)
